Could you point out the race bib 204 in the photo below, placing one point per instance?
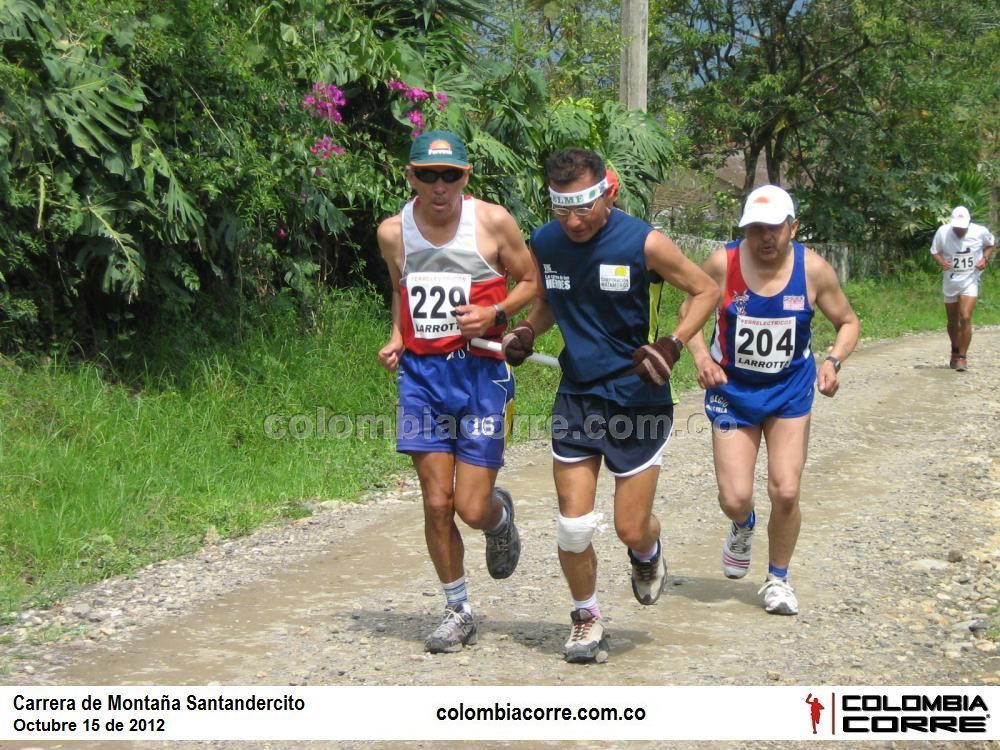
(764, 344)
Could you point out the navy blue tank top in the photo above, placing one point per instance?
(599, 292)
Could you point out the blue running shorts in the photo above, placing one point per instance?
(454, 403)
(741, 404)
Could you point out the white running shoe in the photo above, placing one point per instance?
(736, 552)
(587, 641)
(779, 597)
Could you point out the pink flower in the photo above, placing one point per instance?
(416, 117)
(325, 148)
(442, 101)
(282, 233)
(325, 102)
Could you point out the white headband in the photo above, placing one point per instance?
(580, 197)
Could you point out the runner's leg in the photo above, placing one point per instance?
(951, 310)
(635, 523)
(475, 502)
(787, 444)
(576, 486)
(735, 455)
(444, 541)
(966, 305)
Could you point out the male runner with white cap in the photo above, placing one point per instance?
(759, 377)
(962, 249)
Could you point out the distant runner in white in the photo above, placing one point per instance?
(962, 249)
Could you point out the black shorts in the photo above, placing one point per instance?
(631, 438)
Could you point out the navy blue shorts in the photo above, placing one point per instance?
(454, 403)
(630, 438)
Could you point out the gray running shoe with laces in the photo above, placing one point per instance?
(648, 578)
(736, 552)
(457, 629)
(503, 548)
(587, 639)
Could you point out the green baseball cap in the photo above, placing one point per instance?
(439, 148)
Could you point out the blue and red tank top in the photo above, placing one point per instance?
(764, 339)
(438, 278)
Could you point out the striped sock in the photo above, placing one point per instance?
(457, 593)
(750, 522)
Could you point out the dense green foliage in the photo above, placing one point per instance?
(156, 154)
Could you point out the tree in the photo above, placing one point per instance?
(847, 99)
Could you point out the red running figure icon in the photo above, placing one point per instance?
(814, 709)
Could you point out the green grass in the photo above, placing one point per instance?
(100, 477)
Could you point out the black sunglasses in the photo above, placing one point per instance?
(430, 176)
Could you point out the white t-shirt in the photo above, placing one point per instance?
(962, 253)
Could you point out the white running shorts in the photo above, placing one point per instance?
(965, 285)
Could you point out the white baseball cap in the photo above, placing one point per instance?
(768, 204)
(960, 217)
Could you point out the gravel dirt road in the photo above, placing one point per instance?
(896, 569)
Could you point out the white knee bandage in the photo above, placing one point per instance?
(574, 534)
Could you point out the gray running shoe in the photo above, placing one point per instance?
(457, 629)
(648, 578)
(587, 640)
(736, 552)
(503, 549)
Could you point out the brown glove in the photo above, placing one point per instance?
(654, 362)
(519, 343)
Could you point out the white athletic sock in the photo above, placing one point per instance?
(649, 554)
(589, 604)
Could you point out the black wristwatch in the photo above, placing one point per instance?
(835, 361)
(501, 318)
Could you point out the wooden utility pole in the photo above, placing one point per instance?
(635, 35)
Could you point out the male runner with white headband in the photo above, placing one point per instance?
(449, 256)
(614, 402)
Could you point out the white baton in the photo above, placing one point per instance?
(494, 346)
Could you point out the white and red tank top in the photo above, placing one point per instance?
(438, 278)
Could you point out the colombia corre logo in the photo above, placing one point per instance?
(917, 713)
